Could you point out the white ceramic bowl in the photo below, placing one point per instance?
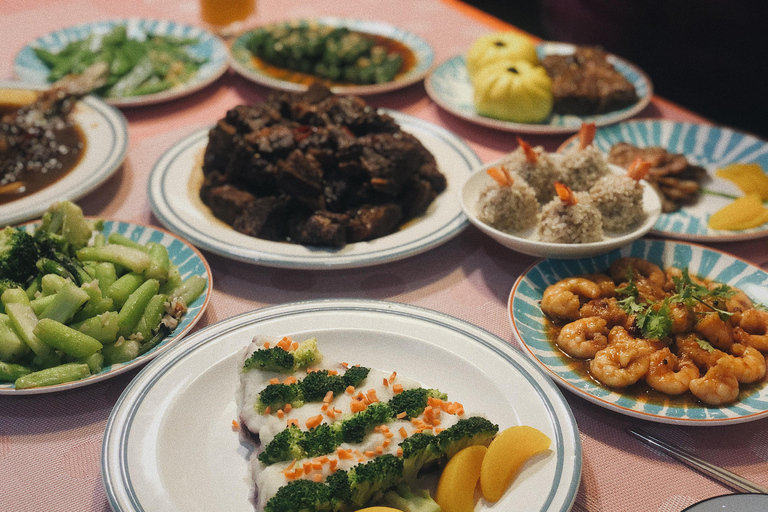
(526, 242)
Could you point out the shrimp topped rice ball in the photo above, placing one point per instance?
(570, 223)
(582, 168)
(510, 208)
(537, 167)
(620, 201)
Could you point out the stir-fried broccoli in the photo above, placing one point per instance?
(64, 228)
(277, 359)
(320, 440)
(418, 450)
(18, 255)
(317, 384)
(286, 445)
(466, 432)
(369, 480)
(406, 499)
(276, 396)
(355, 428)
(413, 401)
(355, 375)
(301, 496)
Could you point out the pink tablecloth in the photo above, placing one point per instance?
(50, 444)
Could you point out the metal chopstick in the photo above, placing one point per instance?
(723, 476)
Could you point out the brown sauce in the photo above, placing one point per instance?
(71, 136)
(288, 75)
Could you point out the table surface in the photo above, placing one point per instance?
(50, 444)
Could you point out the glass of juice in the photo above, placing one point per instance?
(226, 17)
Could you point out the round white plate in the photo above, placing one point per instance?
(169, 442)
(106, 143)
(710, 147)
(174, 193)
(449, 86)
(528, 322)
(29, 68)
(732, 503)
(190, 263)
(242, 60)
(526, 243)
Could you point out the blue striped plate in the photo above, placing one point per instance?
(528, 322)
(243, 62)
(449, 86)
(190, 263)
(29, 68)
(192, 387)
(709, 146)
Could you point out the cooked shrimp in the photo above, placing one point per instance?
(682, 318)
(623, 362)
(740, 301)
(604, 281)
(565, 194)
(669, 374)
(563, 299)
(718, 386)
(755, 328)
(606, 308)
(715, 330)
(638, 169)
(530, 154)
(621, 267)
(748, 363)
(586, 134)
(584, 337)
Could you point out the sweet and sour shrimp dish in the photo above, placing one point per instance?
(674, 331)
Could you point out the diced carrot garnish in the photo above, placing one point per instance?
(328, 397)
(384, 428)
(317, 477)
(343, 454)
(385, 382)
(323, 459)
(324, 407)
(379, 450)
(369, 454)
(280, 413)
(402, 415)
(377, 428)
(307, 466)
(268, 410)
(284, 343)
(350, 390)
(438, 430)
(397, 389)
(294, 346)
(344, 365)
(399, 452)
(287, 407)
(403, 432)
(357, 406)
(392, 377)
(292, 421)
(337, 410)
(290, 380)
(332, 465)
(371, 394)
(274, 380)
(385, 443)
(266, 344)
(235, 425)
(314, 421)
(333, 372)
(316, 464)
(331, 414)
(290, 466)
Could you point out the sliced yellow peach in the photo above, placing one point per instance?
(506, 455)
(456, 488)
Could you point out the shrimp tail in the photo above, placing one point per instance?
(586, 134)
(530, 154)
(565, 194)
(638, 169)
(500, 176)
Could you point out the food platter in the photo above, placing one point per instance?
(709, 146)
(174, 187)
(106, 136)
(731, 503)
(243, 62)
(191, 389)
(529, 325)
(189, 261)
(526, 242)
(31, 69)
(449, 86)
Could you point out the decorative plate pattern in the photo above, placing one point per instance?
(180, 209)
(29, 68)
(528, 322)
(191, 389)
(106, 143)
(449, 86)
(189, 261)
(242, 60)
(711, 147)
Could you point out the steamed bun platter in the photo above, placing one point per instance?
(509, 84)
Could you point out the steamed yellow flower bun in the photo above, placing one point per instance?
(499, 46)
(516, 91)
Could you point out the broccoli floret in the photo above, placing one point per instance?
(418, 450)
(301, 496)
(413, 401)
(64, 228)
(276, 396)
(466, 432)
(341, 493)
(354, 429)
(277, 359)
(317, 384)
(284, 446)
(406, 499)
(355, 375)
(369, 480)
(18, 254)
(273, 359)
(320, 440)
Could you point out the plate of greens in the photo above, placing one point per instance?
(352, 56)
(85, 299)
(536, 331)
(149, 60)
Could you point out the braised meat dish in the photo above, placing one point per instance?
(586, 83)
(316, 169)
